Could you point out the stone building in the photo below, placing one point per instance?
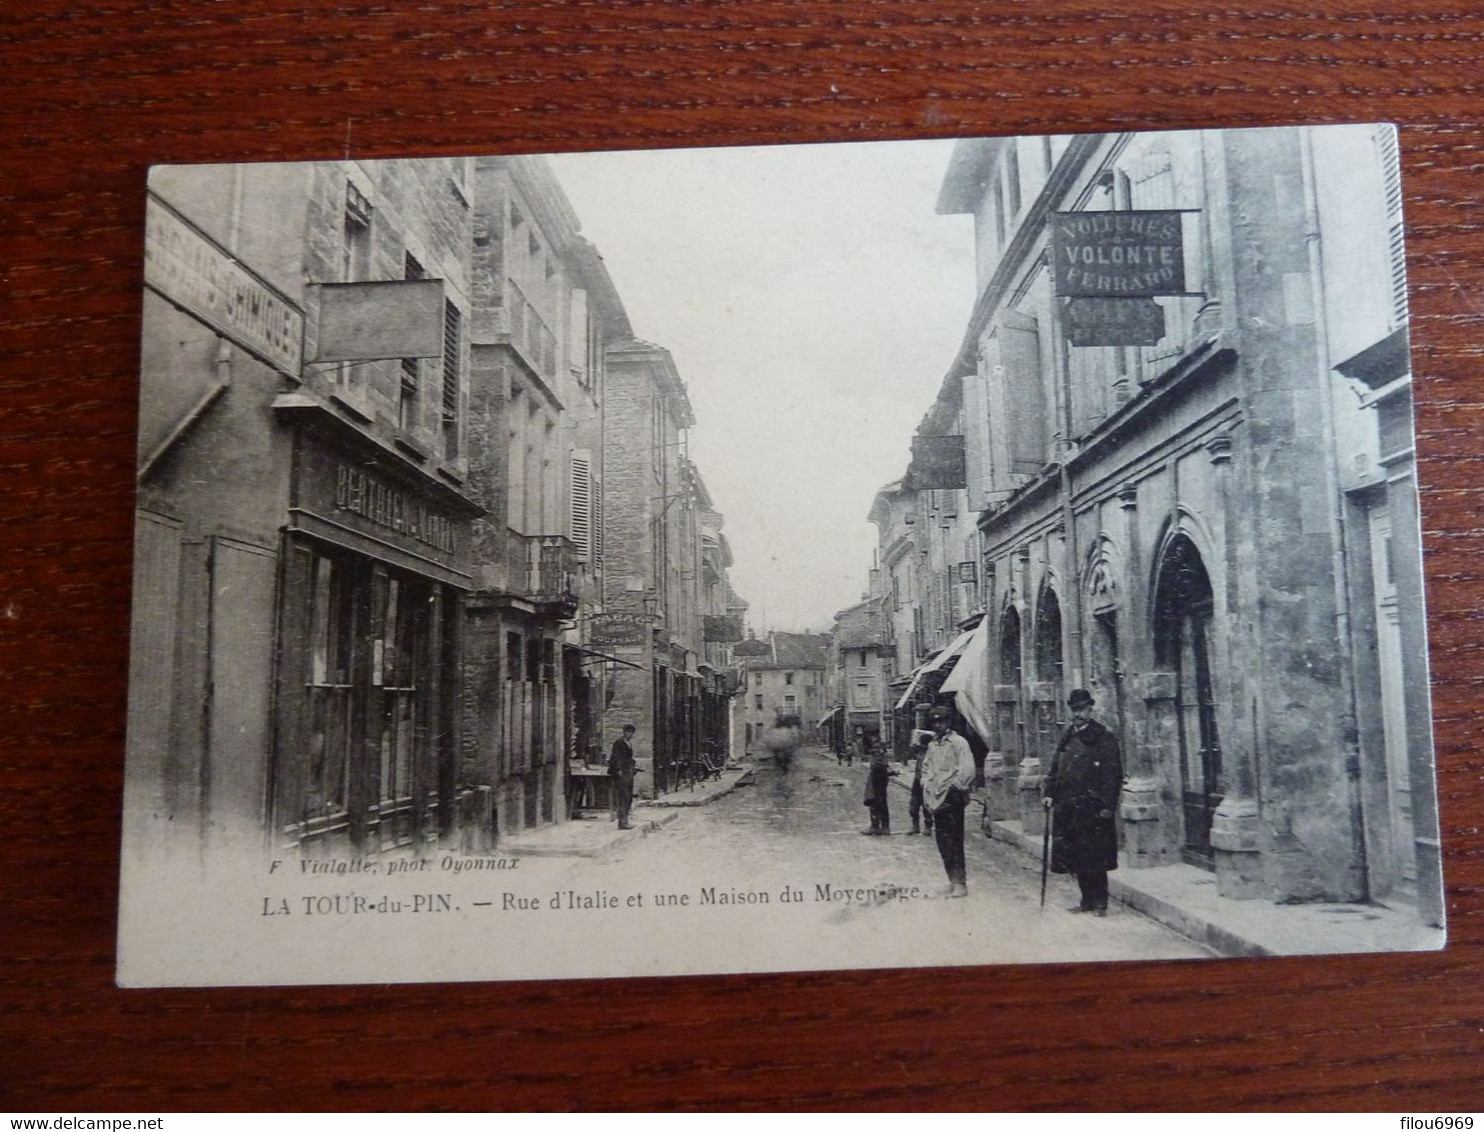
(544, 312)
(303, 541)
(1214, 530)
(860, 670)
(651, 547)
(784, 677)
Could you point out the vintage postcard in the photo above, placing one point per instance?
(977, 551)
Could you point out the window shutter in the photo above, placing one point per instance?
(581, 498)
(1396, 258)
(976, 439)
(1025, 398)
(1152, 185)
(597, 524)
(452, 333)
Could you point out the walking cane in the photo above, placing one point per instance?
(1045, 855)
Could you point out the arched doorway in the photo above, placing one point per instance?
(1183, 612)
(1008, 718)
(1051, 689)
(1105, 664)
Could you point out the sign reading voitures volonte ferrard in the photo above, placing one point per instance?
(1117, 254)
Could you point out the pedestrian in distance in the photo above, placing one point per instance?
(621, 768)
(1081, 792)
(922, 817)
(878, 780)
(947, 778)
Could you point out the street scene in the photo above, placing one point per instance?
(804, 827)
(935, 522)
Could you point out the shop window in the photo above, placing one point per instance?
(332, 634)
(397, 667)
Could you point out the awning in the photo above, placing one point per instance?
(829, 715)
(594, 654)
(958, 645)
(970, 681)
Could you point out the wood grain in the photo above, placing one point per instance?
(93, 93)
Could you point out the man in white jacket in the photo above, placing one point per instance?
(947, 778)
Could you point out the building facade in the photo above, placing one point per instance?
(377, 436)
(652, 547)
(1215, 533)
(861, 669)
(785, 677)
(544, 312)
(303, 545)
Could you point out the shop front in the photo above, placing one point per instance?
(373, 577)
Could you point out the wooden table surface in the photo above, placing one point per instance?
(96, 91)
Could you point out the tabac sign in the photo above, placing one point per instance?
(1120, 255)
(620, 628)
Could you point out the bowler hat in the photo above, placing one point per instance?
(942, 711)
(1079, 698)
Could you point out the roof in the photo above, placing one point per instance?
(786, 650)
(859, 627)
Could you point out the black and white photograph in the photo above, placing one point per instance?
(938, 553)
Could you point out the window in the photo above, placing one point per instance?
(788, 677)
(452, 334)
(757, 701)
(411, 367)
(355, 254)
(757, 678)
(355, 263)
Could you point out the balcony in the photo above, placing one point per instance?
(543, 569)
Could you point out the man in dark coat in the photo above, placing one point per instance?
(1081, 791)
(621, 769)
(878, 778)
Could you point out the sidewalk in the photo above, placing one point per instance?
(597, 833)
(1184, 898)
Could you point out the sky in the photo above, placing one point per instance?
(812, 300)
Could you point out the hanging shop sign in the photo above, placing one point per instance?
(615, 629)
(363, 322)
(1128, 254)
(721, 629)
(1113, 322)
(195, 273)
(938, 462)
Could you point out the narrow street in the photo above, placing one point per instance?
(864, 901)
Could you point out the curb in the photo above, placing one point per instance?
(1171, 915)
(642, 828)
(670, 801)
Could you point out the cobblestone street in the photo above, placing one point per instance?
(801, 830)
